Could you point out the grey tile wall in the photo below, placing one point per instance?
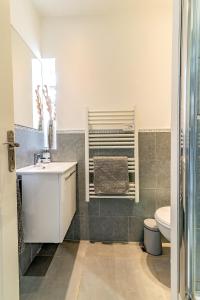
(119, 219)
(104, 219)
(71, 147)
(31, 141)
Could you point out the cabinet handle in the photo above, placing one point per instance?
(70, 175)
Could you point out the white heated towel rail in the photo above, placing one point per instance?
(110, 130)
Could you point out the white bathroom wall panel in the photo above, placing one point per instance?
(113, 61)
(26, 21)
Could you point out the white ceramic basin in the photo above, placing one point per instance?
(54, 167)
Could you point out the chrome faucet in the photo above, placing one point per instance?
(37, 158)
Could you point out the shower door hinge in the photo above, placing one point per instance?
(188, 296)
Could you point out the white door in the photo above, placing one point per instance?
(9, 279)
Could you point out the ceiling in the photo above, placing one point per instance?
(73, 7)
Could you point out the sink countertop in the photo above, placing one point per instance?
(49, 168)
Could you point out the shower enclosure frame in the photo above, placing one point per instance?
(188, 121)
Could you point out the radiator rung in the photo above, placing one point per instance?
(107, 143)
(111, 139)
(111, 112)
(129, 193)
(107, 123)
(130, 172)
(131, 190)
(108, 135)
(111, 147)
(113, 197)
(130, 164)
(118, 118)
(131, 185)
(131, 160)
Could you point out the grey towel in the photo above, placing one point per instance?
(111, 175)
(19, 215)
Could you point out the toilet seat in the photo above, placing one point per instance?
(162, 215)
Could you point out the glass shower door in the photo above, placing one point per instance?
(189, 204)
(196, 206)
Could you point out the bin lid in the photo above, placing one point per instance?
(151, 224)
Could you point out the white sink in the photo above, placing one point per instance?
(54, 167)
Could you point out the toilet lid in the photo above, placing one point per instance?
(162, 215)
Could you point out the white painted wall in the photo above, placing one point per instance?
(113, 61)
(26, 21)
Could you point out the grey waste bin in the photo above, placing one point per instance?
(152, 237)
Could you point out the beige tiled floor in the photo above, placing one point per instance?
(97, 271)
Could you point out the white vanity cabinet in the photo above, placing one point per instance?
(48, 201)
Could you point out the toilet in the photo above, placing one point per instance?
(162, 217)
